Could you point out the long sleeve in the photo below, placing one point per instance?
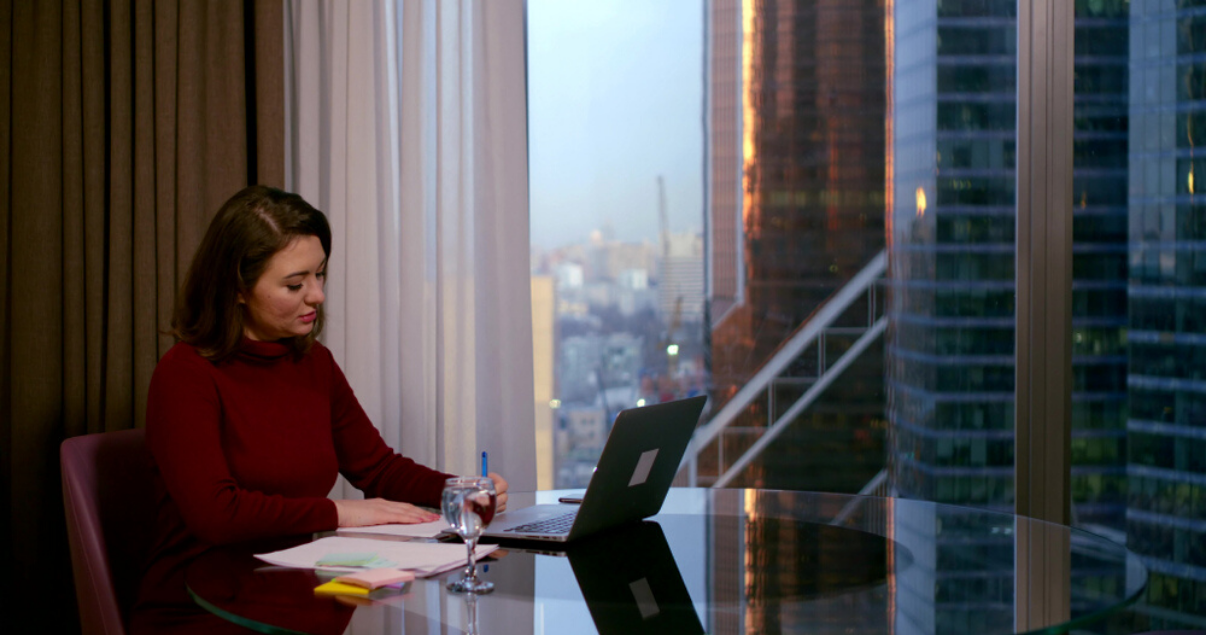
(194, 427)
(250, 447)
(364, 458)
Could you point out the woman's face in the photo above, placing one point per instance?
(284, 301)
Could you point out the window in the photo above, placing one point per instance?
(807, 161)
(615, 103)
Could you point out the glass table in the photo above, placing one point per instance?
(729, 561)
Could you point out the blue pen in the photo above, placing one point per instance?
(485, 474)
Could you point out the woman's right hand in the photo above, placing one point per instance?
(378, 511)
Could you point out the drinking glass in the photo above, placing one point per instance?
(468, 505)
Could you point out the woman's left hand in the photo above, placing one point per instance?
(500, 488)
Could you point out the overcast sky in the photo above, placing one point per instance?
(614, 99)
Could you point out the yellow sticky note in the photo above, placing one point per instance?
(339, 588)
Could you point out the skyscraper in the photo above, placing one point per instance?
(1166, 506)
(951, 344)
(795, 138)
(796, 107)
(951, 349)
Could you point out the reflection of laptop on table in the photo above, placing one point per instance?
(630, 483)
(632, 584)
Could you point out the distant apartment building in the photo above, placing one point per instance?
(570, 276)
(580, 432)
(681, 282)
(544, 375)
(594, 362)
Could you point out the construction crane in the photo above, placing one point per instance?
(661, 212)
(675, 318)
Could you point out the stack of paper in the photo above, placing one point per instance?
(417, 530)
(423, 558)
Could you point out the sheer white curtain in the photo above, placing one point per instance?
(407, 126)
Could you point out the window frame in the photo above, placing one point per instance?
(1043, 369)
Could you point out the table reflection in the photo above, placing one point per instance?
(231, 583)
(632, 584)
(747, 561)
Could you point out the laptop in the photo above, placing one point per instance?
(630, 483)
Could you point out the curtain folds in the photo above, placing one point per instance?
(407, 125)
(126, 125)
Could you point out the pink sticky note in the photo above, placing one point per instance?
(376, 578)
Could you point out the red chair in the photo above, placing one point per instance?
(110, 512)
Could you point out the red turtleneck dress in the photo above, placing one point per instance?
(249, 448)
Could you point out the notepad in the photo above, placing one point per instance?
(339, 588)
(416, 530)
(376, 578)
(423, 558)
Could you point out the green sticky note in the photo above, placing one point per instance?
(346, 560)
(380, 563)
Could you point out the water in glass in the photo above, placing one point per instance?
(468, 506)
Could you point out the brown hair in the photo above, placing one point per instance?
(248, 230)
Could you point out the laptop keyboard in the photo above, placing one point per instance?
(555, 525)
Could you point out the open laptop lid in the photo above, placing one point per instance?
(638, 464)
(631, 582)
(630, 482)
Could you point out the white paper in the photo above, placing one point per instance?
(420, 530)
(424, 558)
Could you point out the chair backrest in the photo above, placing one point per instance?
(110, 513)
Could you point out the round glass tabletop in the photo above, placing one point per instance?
(728, 561)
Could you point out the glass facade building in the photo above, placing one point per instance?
(1166, 426)
(951, 335)
(796, 135)
(951, 341)
(951, 350)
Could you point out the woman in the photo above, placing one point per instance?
(249, 418)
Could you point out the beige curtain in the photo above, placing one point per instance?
(408, 126)
(126, 125)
